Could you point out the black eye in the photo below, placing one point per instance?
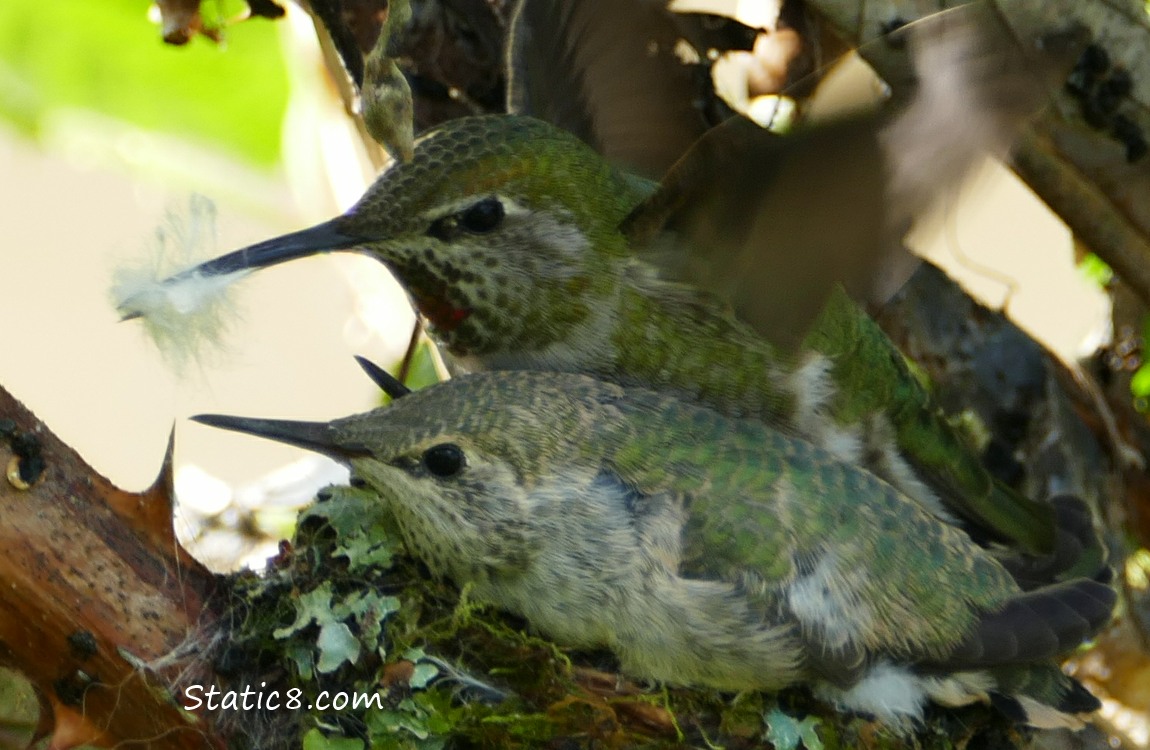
(444, 460)
(484, 216)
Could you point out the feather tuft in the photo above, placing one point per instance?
(186, 314)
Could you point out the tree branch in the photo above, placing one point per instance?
(95, 586)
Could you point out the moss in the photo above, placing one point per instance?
(342, 609)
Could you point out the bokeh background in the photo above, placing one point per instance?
(105, 130)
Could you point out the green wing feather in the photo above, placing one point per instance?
(766, 508)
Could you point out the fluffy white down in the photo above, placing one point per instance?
(894, 695)
(824, 601)
(185, 314)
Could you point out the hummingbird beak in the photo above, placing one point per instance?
(313, 436)
(387, 382)
(318, 239)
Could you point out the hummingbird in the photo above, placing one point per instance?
(525, 249)
(705, 550)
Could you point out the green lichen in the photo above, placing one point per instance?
(343, 609)
(785, 733)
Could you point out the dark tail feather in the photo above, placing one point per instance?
(1078, 552)
(1041, 695)
(1037, 626)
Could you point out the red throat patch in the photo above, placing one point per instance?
(442, 314)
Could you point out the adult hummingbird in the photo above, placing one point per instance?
(705, 550)
(527, 250)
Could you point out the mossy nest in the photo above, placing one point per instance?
(342, 612)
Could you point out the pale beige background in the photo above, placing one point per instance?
(100, 385)
(95, 194)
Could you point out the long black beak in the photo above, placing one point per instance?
(387, 382)
(313, 436)
(318, 239)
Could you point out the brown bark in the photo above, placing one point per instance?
(95, 586)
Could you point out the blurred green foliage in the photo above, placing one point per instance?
(1095, 269)
(1140, 382)
(422, 372)
(107, 57)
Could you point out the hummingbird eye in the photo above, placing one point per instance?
(479, 218)
(444, 460)
(484, 216)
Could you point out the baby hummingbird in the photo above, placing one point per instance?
(527, 250)
(705, 550)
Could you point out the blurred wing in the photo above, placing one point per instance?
(616, 74)
(796, 213)
(775, 224)
(771, 223)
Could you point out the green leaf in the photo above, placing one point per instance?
(423, 673)
(1095, 269)
(784, 733)
(1140, 382)
(397, 722)
(314, 606)
(369, 608)
(336, 645)
(365, 531)
(422, 372)
(107, 57)
(316, 740)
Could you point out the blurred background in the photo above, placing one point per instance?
(105, 131)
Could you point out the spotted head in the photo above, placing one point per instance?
(502, 229)
(464, 466)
